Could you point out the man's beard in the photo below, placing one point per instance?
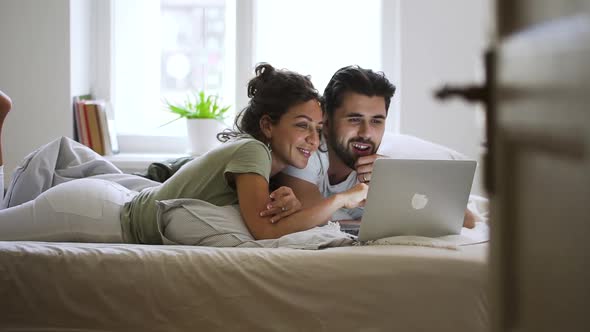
(343, 152)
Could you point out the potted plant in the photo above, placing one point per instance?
(204, 119)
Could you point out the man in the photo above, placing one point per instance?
(355, 105)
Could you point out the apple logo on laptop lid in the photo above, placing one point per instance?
(419, 201)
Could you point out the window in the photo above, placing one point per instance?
(162, 49)
(192, 37)
(318, 37)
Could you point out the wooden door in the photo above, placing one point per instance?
(540, 167)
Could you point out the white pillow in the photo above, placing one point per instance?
(399, 146)
(199, 223)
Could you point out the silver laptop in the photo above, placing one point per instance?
(416, 197)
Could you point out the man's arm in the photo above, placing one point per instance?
(253, 196)
(307, 192)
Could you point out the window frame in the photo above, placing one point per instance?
(244, 30)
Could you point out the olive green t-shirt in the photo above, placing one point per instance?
(203, 178)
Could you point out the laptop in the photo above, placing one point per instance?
(416, 197)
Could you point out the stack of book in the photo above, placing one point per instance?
(94, 125)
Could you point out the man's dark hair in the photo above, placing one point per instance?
(359, 80)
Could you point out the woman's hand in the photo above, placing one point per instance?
(355, 196)
(282, 204)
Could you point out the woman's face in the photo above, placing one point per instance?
(296, 136)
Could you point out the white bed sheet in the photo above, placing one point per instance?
(97, 287)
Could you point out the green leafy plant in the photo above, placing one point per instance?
(198, 106)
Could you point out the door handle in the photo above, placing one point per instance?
(470, 93)
(485, 94)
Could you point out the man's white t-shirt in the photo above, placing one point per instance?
(316, 172)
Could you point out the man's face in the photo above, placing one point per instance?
(356, 127)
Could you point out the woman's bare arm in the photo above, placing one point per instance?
(253, 195)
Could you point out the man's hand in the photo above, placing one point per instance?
(469, 220)
(355, 196)
(283, 202)
(364, 167)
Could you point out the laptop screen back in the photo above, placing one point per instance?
(416, 197)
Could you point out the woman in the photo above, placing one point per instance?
(279, 127)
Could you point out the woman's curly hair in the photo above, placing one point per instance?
(272, 92)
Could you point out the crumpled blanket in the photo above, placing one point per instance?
(60, 161)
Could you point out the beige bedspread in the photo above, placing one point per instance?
(94, 287)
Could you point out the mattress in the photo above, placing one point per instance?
(123, 287)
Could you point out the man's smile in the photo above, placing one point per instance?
(361, 148)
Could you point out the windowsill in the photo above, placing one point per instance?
(137, 162)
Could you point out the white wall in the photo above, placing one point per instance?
(46, 58)
(441, 42)
(37, 72)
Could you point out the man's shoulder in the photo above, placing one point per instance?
(322, 158)
(318, 163)
(316, 166)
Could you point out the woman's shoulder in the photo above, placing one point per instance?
(248, 155)
(247, 142)
(243, 147)
(247, 149)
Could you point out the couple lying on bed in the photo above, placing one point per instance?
(279, 131)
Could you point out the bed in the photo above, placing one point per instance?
(401, 284)
(97, 287)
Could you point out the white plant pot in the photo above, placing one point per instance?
(202, 135)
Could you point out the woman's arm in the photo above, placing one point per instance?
(253, 196)
(283, 203)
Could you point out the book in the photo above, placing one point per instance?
(103, 128)
(84, 138)
(77, 129)
(92, 120)
(77, 123)
(107, 127)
